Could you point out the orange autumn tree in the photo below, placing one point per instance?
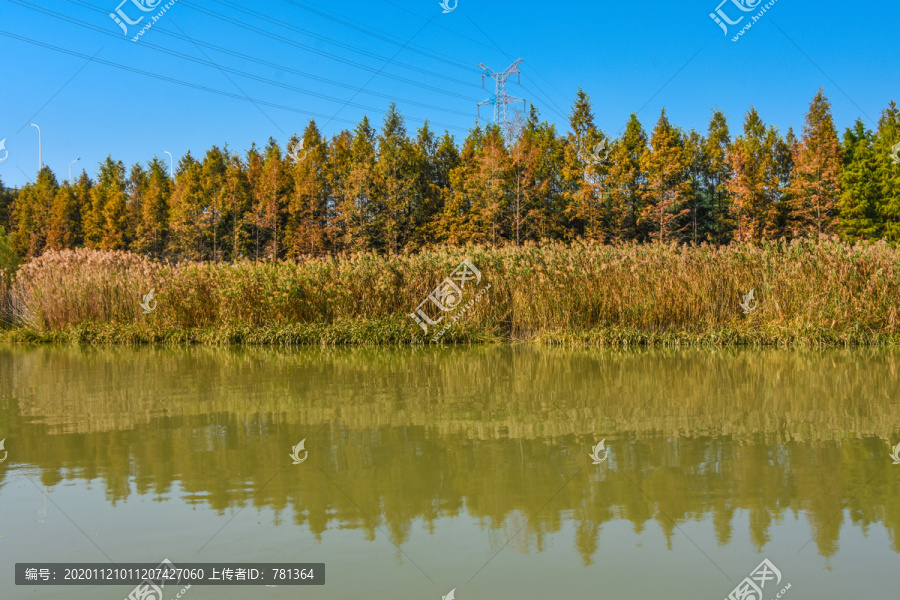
(754, 185)
(668, 188)
(815, 186)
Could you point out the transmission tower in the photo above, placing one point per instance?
(501, 100)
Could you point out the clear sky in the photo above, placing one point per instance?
(68, 67)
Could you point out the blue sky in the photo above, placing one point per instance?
(335, 61)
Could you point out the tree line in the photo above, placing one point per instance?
(386, 191)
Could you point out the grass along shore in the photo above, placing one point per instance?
(808, 293)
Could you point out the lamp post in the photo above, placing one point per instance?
(171, 164)
(40, 160)
(70, 167)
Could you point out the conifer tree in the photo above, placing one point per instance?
(426, 194)
(582, 174)
(716, 174)
(342, 213)
(668, 187)
(271, 192)
(546, 208)
(305, 227)
(860, 190)
(395, 182)
(236, 194)
(135, 188)
(31, 214)
(459, 196)
(186, 210)
(153, 223)
(754, 179)
(815, 187)
(696, 203)
(627, 181)
(212, 202)
(106, 222)
(489, 189)
(887, 172)
(64, 230)
(361, 189)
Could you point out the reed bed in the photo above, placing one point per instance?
(809, 292)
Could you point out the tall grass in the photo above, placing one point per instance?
(808, 291)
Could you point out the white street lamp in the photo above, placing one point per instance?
(171, 164)
(40, 160)
(70, 167)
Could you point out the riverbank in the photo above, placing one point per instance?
(804, 293)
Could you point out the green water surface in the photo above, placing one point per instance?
(457, 468)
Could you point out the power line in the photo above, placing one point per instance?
(211, 63)
(379, 71)
(189, 84)
(243, 25)
(370, 32)
(291, 42)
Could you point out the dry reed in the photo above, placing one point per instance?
(818, 292)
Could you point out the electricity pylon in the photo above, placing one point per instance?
(501, 100)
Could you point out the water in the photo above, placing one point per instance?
(465, 468)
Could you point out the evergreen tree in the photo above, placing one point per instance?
(583, 175)
(186, 209)
(428, 179)
(887, 172)
(395, 182)
(859, 204)
(716, 172)
(305, 228)
(271, 192)
(754, 184)
(668, 187)
(815, 186)
(65, 231)
(342, 216)
(151, 233)
(361, 189)
(696, 204)
(135, 188)
(7, 198)
(455, 220)
(546, 209)
(627, 181)
(237, 195)
(489, 190)
(31, 214)
(212, 200)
